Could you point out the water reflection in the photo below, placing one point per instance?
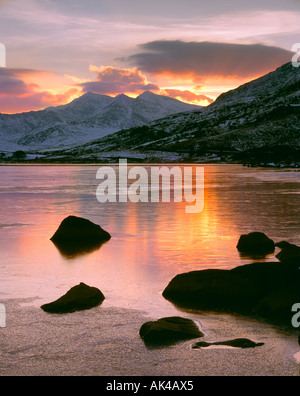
(255, 256)
(151, 242)
(71, 250)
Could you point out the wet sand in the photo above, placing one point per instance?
(105, 341)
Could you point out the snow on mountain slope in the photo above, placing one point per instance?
(87, 118)
(262, 113)
(82, 108)
(283, 83)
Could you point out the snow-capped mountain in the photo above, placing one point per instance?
(261, 115)
(87, 118)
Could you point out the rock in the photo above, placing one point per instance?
(281, 284)
(217, 290)
(256, 243)
(78, 229)
(265, 290)
(79, 298)
(276, 307)
(237, 343)
(288, 252)
(168, 331)
(76, 235)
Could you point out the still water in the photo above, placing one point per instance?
(151, 242)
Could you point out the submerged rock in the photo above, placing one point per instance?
(256, 243)
(76, 235)
(167, 331)
(79, 298)
(237, 343)
(266, 290)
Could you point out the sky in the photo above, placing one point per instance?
(191, 50)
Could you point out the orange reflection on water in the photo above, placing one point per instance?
(151, 242)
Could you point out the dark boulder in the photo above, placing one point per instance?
(216, 290)
(76, 235)
(265, 290)
(256, 243)
(276, 306)
(243, 343)
(79, 298)
(288, 252)
(168, 331)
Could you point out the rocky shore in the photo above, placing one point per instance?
(263, 290)
(216, 333)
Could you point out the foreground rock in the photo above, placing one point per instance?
(243, 343)
(267, 290)
(256, 243)
(76, 235)
(168, 331)
(79, 298)
(288, 252)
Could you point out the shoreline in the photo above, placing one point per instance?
(104, 341)
(105, 163)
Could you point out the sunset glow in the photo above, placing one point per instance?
(59, 50)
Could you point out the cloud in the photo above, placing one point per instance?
(12, 86)
(112, 80)
(188, 96)
(18, 92)
(199, 61)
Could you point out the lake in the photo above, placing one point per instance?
(150, 244)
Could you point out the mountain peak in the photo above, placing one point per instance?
(122, 98)
(89, 93)
(92, 95)
(147, 94)
(122, 95)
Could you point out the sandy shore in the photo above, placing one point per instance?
(105, 342)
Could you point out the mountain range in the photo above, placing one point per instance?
(259, 121)
(89, 117)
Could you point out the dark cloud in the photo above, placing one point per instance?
(11, 82)
(12, 86)
(200, 60)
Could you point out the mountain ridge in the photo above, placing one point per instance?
(256, 122)
(84, 119)
(262, 116)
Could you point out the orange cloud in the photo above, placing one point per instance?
(188, 96)
(113, 80)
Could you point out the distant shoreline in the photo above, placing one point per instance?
(135, 162)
